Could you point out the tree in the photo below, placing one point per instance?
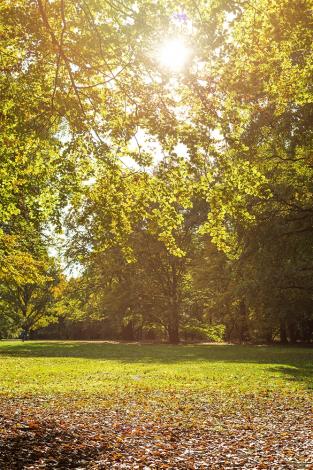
(154, 232)
(80, 82)
(31, 304)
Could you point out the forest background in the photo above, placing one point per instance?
(143, 201)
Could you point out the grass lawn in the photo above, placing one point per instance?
(91, 367)
(112, 405)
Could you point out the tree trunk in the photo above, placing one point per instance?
(173, 333)
(243, 327)
(283, 331)
(173, 325)
(292, 332)
(25, 333)
(128, 331)
(269, 337)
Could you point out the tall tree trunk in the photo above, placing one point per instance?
(269, 336)
(283, 331)
(292, 332)
(173, 333)
(243, 327)
(128, 331)
(173, 324)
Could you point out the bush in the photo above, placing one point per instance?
(196, 331)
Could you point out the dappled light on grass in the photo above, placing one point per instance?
(87, 368)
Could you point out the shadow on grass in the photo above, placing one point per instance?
(301, 373)
(294, 362)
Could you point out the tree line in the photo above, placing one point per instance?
(182, 201)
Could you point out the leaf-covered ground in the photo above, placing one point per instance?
(144, 425)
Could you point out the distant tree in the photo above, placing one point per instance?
(27, 302)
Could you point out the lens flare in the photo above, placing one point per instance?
(174, 54)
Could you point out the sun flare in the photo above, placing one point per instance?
(173, 54)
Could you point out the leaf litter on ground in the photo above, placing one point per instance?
(157, 430)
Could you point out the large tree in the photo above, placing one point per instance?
(81, 81)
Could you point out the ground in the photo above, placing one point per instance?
(97, 405)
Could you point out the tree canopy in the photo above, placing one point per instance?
(181, 189)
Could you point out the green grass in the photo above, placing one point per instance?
(153, 406)
(93, 368)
